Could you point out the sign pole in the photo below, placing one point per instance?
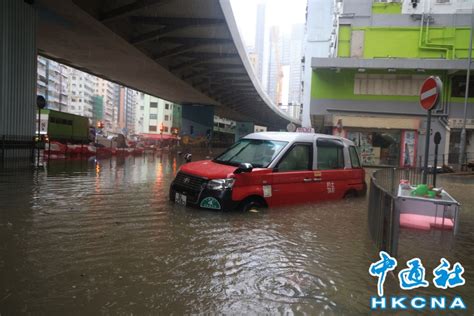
(430, 94)
(437, 140)
(427, 147)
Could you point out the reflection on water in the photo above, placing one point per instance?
(101, 236)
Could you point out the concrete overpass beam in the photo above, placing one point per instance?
(17, 77)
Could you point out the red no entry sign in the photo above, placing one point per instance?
(430, 92)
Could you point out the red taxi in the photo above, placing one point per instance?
(272, 169)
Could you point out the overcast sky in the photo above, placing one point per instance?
(279, 12)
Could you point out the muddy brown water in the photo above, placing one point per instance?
(91, 237)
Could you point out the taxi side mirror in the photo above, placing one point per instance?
(244, 167)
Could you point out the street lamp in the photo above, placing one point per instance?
(462, 147)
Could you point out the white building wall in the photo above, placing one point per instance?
(319, 26)
(150, 118)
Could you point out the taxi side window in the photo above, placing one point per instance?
(354, 157)
(330, 154)
(298, 158)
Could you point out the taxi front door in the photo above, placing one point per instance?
(292, 179)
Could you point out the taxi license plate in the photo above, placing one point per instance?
(180, 199)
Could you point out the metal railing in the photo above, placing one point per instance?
(383, 214)
(15, 146)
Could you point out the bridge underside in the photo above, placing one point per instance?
(184, 51)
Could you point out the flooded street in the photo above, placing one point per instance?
(102, 237)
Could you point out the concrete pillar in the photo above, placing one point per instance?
(243, 129)
(197, 120)
(17, 75)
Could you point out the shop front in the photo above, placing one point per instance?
(394, 145)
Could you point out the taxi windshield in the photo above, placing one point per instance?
(259, 153)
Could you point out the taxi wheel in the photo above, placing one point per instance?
(252, 206)
(350, 194)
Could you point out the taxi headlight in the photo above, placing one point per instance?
(220, 184)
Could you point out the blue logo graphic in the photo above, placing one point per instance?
(445, 278)
(380, 269)
(413, 276)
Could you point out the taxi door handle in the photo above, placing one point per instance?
(307, 179)
(317, 179)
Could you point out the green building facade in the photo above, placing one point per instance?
(369, 92)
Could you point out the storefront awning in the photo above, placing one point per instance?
(400, 123)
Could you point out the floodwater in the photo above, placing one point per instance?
(89, 237)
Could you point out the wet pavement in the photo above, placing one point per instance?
(101, 237)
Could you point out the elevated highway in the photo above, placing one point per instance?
(186, 51)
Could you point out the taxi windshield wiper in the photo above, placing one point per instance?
(236, 154)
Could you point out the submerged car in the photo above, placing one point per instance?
(272, 169)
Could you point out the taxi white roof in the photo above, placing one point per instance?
(295, 137)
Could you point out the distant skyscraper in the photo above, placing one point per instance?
(275, 73)
(260, 40)
(295, 93)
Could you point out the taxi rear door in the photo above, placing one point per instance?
(330, 167)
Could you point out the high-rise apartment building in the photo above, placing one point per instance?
(52, 83)
(109, 93)
(126, 111)
(82, 88)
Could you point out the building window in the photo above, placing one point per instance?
(152, 128)
(167, 106)
(154, 105)
(458, 88)
(388, 84)
(142, 108)
(153, 116)
(167, 117)
(166, 129)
